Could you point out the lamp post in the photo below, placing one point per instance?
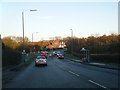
(32, 38)
(72, 40)
(32, 35)
(71, 32)
(23, 28)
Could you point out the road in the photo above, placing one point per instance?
(63, 73)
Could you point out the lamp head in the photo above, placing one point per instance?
(33, 10)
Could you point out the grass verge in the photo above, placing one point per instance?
(71, 56)
(74, 57)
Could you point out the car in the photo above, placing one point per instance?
(56, 52)
(46, 52)
(42, 51)
(60, 56)
(44, 55)
(40, 60)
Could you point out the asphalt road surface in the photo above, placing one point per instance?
(63, 73)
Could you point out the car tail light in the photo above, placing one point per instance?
(45, 60)
(37, 60)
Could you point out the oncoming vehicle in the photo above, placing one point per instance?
(58, 54)
(40, 60)
(55, 52)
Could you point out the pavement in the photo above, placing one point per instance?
(96, 64)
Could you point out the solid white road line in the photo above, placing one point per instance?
(73, 73)
(98, 84)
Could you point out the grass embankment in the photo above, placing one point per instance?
(72, 56)
(96, 61)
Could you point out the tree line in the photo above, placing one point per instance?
(100, 47)
(16, 43)
(97, 45)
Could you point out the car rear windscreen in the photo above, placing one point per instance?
(41, 58)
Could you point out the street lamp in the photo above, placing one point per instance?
(72, 40)
(23, 27)
(86, 54)
(32, 36)
(71, 32)
(33, 10)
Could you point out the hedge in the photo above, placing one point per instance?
(10, 57)
(112, 58)
(107, 58)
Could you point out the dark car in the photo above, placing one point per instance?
(60, 56)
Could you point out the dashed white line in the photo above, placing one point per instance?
(88, 80)
(98, 84)
(73, 73)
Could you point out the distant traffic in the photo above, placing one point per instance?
(41, 59)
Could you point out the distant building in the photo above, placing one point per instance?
(57, 44)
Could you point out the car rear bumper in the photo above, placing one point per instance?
(41, 63)
(60, 58)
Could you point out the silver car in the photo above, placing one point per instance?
(40, 60)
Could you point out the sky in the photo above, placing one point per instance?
(57, 18)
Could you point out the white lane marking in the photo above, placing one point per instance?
(98, 84)
(73, 73)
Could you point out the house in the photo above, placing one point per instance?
(56, 44)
